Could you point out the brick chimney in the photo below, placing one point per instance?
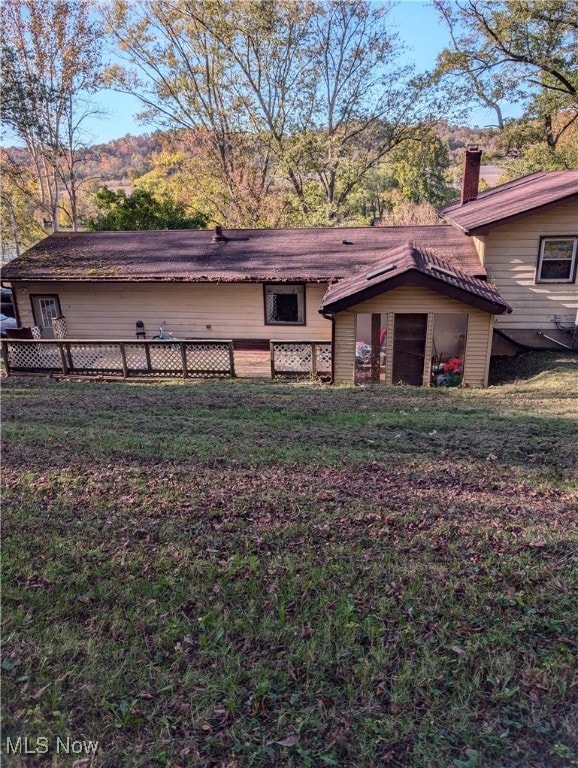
(471, 176)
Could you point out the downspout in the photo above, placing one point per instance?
(332, 318)
(556, 341)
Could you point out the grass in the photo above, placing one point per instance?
(232, 574)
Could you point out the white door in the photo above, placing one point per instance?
(46, 308)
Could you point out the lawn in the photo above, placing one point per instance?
(270, 574)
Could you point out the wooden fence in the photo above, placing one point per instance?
(183, 359)
(167, 359)
(301, 359)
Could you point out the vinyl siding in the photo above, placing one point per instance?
(480, 246)
(232, 311)
(413, 298)
(511, 258)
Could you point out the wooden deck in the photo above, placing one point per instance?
(252, 364)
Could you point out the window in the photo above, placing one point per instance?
(557, 261)
(285, 305)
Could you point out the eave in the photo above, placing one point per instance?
(415, 277)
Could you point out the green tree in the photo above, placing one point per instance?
(522, 52)
(140, 210)
(419, 171)
(286, 89)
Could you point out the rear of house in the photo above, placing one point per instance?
(417, 305)
(250, 286)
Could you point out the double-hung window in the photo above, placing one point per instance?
(284, 304)
(557, 260)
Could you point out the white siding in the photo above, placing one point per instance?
(511, 258)
(208, 311)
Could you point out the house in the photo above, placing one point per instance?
(525, 233)
(401, 304)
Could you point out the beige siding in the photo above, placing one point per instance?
(413, 298)
(224, 311)
(344, 348)
(511, 257)
(480, 246)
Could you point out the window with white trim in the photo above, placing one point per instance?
(557, 260)
(285, 304)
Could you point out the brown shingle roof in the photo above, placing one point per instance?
(408, 264)
(254, 255)
(508, 201)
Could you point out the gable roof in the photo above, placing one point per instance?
(511, 200)
(408, 264)
(253, 255)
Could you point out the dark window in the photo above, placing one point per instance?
(285, 304)
(557, 260)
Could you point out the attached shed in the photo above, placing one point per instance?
(412, 318)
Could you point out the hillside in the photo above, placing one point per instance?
(360, 578)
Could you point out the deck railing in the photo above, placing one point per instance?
(142, 358)
(186, 358)
(301, 359)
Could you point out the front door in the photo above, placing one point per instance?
(46, 307)
(409, 348)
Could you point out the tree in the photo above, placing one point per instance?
(50, 67)
(286, 89)
(523, 52)
(141, 210)
(17, 209)
(419, 169)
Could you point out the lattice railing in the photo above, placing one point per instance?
(200, 359)
(301, 358)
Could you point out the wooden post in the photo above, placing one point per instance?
(123, 359)
(148, 356)
(313, 359)
(184, 359)
(272, 350)
(375, 345)
(68, 360)
(231, 361)
(63, 359)
(5, 357)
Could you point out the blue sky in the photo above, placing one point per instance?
(417, 25)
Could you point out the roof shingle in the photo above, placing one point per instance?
(408, 264)
(508, 201)
(256, 255)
